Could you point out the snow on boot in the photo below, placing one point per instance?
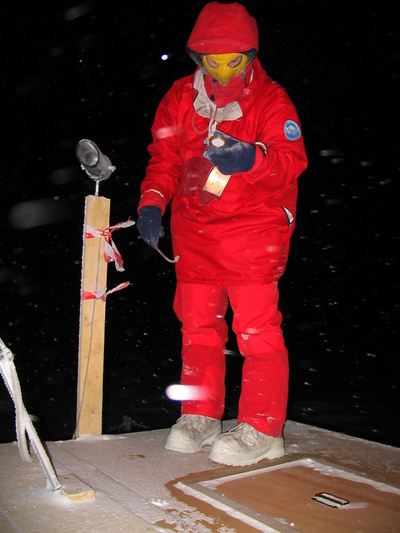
(192, 432)
(243, 445)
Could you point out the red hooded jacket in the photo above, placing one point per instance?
(243, 236)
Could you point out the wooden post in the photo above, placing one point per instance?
(92, 321)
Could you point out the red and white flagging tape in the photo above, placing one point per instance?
(103, 293)
(111, 255)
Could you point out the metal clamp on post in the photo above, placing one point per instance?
(94, 162)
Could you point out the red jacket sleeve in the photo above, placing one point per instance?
(163, 171)
(285, 157)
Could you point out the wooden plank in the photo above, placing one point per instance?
(75, 489)
(92, 321)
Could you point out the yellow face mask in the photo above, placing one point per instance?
(223, 67)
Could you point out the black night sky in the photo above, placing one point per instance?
(94, 70)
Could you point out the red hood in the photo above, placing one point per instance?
(223, 29)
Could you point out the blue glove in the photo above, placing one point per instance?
(234, 156)
(149, 224)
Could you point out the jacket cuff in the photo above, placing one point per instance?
(152, 197)
(261, 152)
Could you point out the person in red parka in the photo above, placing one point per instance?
(226, 154)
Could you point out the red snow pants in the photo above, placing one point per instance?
(257, 324)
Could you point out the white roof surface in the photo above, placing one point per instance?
(129, 474)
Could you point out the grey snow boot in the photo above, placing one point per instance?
(244, 445)
(192, 432)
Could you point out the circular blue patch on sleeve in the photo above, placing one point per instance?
(292, 130)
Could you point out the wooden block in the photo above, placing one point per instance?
(75, 489)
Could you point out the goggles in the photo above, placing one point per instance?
(223, 67)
